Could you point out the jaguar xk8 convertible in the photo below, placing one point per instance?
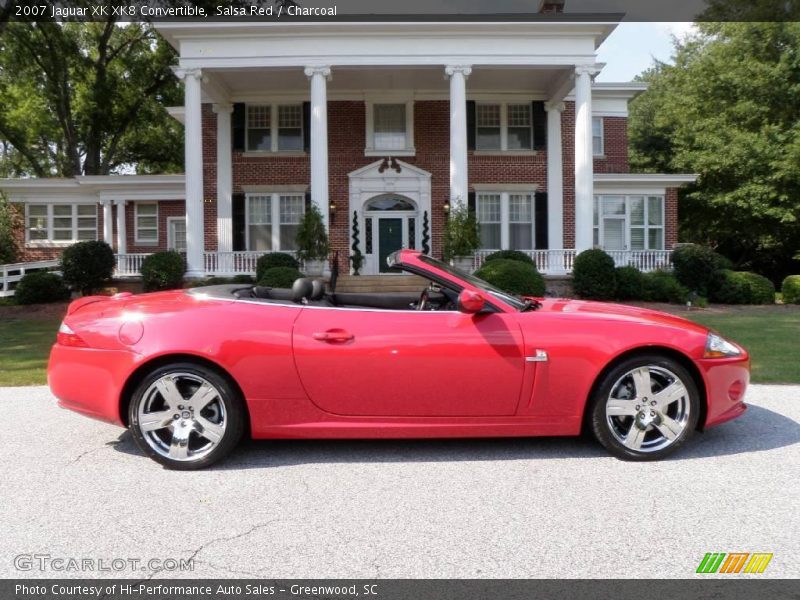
(190, 372)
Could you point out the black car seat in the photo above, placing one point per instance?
(317, 289)
(302, 290)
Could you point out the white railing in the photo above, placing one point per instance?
(130, 265)
(11, 273)
(234, 263)
(558, 262)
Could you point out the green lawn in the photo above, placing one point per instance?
(770, 335)
(24, 349)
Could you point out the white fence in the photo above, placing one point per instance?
(560, 262)
(11, 273)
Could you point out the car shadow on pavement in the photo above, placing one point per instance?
(759, 429)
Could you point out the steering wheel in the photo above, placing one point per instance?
(422, 304)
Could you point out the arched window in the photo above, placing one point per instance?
(387, 202)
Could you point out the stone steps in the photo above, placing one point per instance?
(380, 283)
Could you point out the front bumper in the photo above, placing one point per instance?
(726, 383)
(90, 381)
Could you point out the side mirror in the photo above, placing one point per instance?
(470, 302)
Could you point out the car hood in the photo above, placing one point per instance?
(621, 312)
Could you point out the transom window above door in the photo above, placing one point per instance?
(274, 128)
(272, 221)
(390, 128)
(503, 126)
(629, 222)
(505, 220)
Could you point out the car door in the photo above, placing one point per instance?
(409, 363)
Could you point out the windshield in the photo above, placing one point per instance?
(515, 301)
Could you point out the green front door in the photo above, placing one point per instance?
(390, 239)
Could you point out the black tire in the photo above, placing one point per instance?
(607, 430)
(228, 410)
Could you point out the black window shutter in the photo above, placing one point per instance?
(470, 124)
(308, 200)
(307, 126)
(238, 126)
(238, 220)
(539, 126)
(540, 220)
(471, 202)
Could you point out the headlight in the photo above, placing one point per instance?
(718, 347)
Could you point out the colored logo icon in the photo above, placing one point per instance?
(734, 562)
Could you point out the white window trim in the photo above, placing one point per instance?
(170, 237)
(627, 218)
(505, 220)
(273, 128)
(602, 152)
(137, 240)
(504, 149)
(49, 241)
(369, 145)
(275, 217)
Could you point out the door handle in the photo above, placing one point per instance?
(334, 335)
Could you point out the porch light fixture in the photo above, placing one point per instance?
(332, 207)
(446, 206)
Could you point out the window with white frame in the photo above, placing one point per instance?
(176, 234)
(146, 222)
(274, 127)
(503, 126)
(60, 222)
(597, 136)
(505, 220)
(390, 127)
(273, 220)
(629, 222)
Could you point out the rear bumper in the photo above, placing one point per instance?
(90, 381)
(726, 383)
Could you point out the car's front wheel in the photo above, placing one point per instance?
(645, 408)
(186, 416)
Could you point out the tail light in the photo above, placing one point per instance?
(67, 337)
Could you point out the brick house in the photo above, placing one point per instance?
(390, 124)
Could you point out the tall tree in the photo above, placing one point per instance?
(86, 99)
(729, 109)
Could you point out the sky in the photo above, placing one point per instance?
(631, 48)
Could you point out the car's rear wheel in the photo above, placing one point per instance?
(186, 416)
(645, 408)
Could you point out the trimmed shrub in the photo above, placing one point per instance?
(513, 276)
(510, 255)
(274, 259)
(741, 287)
(594, 275)
(663, 286)
(163, 271)
(461, 234)
(280, 277)
(86, 266)
(790, 288)
(40, 287)
(696, 266)
(630, 283)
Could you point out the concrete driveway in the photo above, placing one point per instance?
(71, 488)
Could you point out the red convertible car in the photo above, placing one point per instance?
(190, 372)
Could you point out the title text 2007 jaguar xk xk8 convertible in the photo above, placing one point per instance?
(191, 372)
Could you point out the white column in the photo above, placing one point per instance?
(193, 147)
(122, 238)
(319, 76)
(555, 177)
(458, 132)
(584, 175)
(108, 222)
(224, 186)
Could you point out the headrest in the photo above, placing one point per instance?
(302, 289)
(317, 289)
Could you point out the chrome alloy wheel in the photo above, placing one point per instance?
(648, 408)
(182, 416)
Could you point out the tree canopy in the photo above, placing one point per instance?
(729, 110)
(87, 99)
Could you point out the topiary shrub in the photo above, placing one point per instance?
(513, 276)
(86, 266)
(790, 288)
(163, 271)
(663, 286)
(695, 266)
(741, 287)
(40, 287)
(594, 275)
(510, 255)
(630, 283)
(275, 259)
(280, 277)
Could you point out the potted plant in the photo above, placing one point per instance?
(462, 238)
(312, 242)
